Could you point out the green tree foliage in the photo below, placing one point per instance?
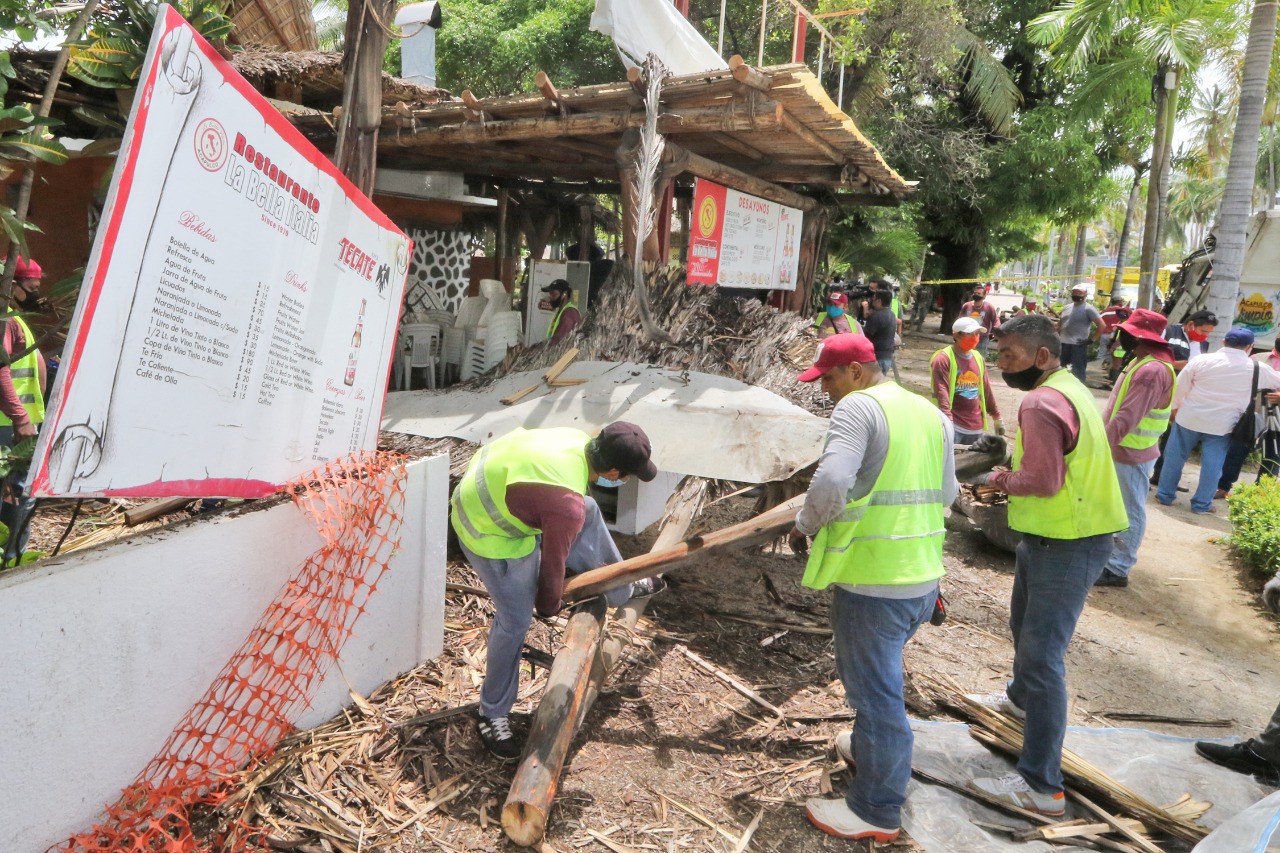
(113, 49)
(1254, 512)
(495, 47)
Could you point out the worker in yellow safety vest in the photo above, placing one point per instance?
(1065, 500)
(22, 384)
(566, 317)
(524, 518)
(1136, 416)
(875, 509)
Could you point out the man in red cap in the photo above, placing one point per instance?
(835, 319)
(524, 518)
(1137, 415)
(875, 509)
(22, 384)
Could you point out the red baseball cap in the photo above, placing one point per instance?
(833, 351)
(837, 298)
(27, 269)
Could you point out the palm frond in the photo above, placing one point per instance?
(987, 83)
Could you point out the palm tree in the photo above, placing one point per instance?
(1138, 37)
(1228, 260)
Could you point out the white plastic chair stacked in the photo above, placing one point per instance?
(422, 350)
(501, 333)
(454, 348)
(440, 316)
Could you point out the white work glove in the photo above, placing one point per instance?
(999, 427)
(1271, 594)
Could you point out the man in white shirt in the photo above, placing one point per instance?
(1213, 391)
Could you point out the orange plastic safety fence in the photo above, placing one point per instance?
(357, 504)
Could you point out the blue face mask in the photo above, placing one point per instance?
(834, 311)
(609, 484)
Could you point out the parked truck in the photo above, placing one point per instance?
(1259, 293)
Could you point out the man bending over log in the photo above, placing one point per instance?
(524, 519)
(876, 506)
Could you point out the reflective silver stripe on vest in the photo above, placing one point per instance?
(462, 516)
(892, 497)
(22, 372)
(486, 499)
(1148, 433)
(26, 398)
(857, 539)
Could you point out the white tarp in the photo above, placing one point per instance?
(699, 424)
(641, 27)
(237, 319)
(1159, 767)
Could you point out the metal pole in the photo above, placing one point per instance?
(840, 96)
(822, 49)
(764, 10)
(720, 45)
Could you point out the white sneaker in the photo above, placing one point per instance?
(1014, 790)
(998, 701)
(834, 817)
(844, 749)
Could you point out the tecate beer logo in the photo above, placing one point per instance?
(211, 144)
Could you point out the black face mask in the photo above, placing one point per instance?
(1023, 380)
(1075, 298)
(1127, 341)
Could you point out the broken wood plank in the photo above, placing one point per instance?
(1115, 823)
(754, 531)
(553, 373)
(512, 399)
(152, 510)
(707, 666)
(524, 816)
(1136, 717)
(566, 383)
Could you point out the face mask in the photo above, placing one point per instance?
(1198, 337)
(1023, 380)
(834, 311)
(967, 343)
(1077, 298)
(1127, 341)
(605, 482)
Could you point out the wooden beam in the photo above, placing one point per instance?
(474, 109)
(748, 76)
(766, 117)
(739, 147)
(792, 125)
(524, 816)
(548, 90)
(710, 170)
(754, 531)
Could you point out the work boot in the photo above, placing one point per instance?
(834, 817)
(647, 587)
(844, 749)
(1014, 790)
(998, 701)
(1110, 578)
(1242, 758)
(497, 736)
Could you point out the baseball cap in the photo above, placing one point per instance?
(1145, 325)
(27, 269)
(844, 348)
(558, 284)
(624, 446)
(1081, 288)
(837, 298)
(967, 326)
(1238, 337)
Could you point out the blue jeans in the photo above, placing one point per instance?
(1213, 452)
(1050, 584)
(1135, 482)
(1076, 357)
(869, 636)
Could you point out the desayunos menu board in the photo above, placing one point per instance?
(237, 319)
(740, 240)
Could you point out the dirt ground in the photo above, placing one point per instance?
(671, 758)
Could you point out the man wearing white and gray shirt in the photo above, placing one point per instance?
(1079, 324)
(875, 508)
(1213, 392)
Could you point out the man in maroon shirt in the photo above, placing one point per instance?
(540, 478)
(1144, 391)
(962, 384)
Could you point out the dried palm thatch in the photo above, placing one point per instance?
(711, 332)
(318, 76)
(279, 24)
(645, 180)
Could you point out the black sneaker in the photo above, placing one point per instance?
(497, 737)
(1241, 758)
(647, 587)
(1109, 578)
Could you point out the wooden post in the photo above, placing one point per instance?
(366, 42)
(812, 233)
(524, 817)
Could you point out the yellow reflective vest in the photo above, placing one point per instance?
(1089, 502)
(478, 508)
(892, 535)
(1154, 422)
(26, 378)
(555, 321)
(955, 371)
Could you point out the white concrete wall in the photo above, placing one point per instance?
(102, 653)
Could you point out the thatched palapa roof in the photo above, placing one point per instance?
(278, 24)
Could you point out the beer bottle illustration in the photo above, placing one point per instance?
(350, 377)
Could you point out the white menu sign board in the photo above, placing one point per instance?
(237, 320)
(740, 240)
